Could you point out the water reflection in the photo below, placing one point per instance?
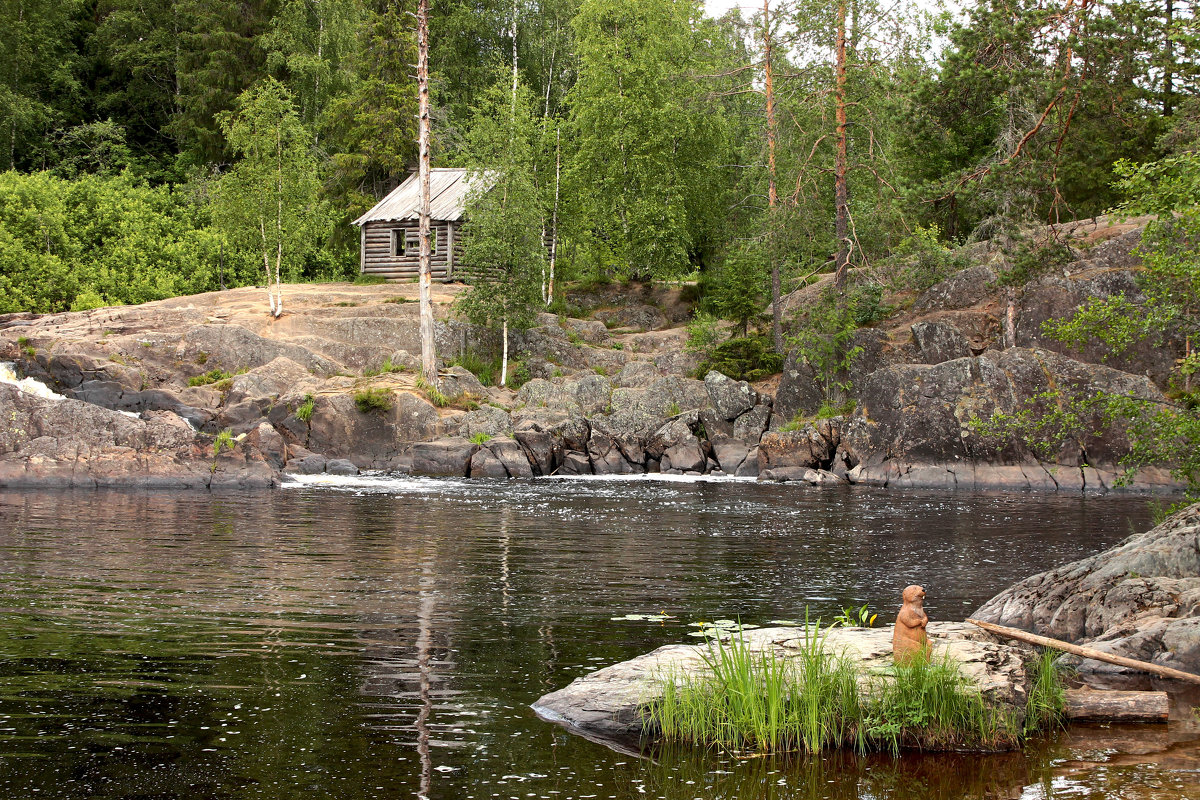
(384, 639)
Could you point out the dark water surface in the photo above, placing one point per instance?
(384, 638)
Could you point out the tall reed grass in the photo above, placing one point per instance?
(813, 701)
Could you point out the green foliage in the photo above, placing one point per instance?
(433, 393)
(638, 184)
(735, 290)
(386, 368)
(1045, 705)
(368, 400)
(822, 339)
(704, 333)
(749, 358)
(812, 701)
(212, 376)
(481, 438)
(921, 260)
(503, 252)
(267, 203)
(861, 617)
(1034, 259)
(223, 441)
(487, 370)
(305, 411)
(518, 374)
(95, 241)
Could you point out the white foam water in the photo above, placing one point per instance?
(8, 374)
(385, 483)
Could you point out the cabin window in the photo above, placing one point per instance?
(399, 243)
(433, 242)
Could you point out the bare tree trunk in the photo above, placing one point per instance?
(514, 54)
(841, 192)
(428, 353)
(772, 191)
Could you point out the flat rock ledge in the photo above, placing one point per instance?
(608, 703)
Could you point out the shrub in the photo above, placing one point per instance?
(750, 358)
(703, 334)
(224, 441)
(921, 260)
(1031, 260)
(369, 400)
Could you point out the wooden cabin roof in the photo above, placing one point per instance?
(448, 190)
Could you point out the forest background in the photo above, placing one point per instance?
(140, 140)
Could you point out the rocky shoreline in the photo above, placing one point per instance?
(611, 391)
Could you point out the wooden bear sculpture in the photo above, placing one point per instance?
(908, 640)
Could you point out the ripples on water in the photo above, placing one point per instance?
(383, 638)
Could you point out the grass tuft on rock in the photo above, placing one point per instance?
(813, 701)
(369, 400)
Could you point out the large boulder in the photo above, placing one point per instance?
(485, 464)
(919, 414)
(487, 420)
(373, 440)
(730, 398)
(750, 426)
(961, 290)
(1140, 599)
(607, 457)
(810, 447)
(512, 456)
(939, 340)
(639, 317)
(611, 701)
(444, 457)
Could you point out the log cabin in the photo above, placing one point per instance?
(388, 232)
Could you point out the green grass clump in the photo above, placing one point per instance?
(814, 701)
(433, 394)
(363, 279)
(487, 369)
(212, 376)
(1047, 698)
(369, 400)
(385, 369)
(305, 411)
(481, 438)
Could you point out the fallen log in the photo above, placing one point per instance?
(1106, 706)
(1085, 652)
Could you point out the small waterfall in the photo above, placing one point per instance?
(8, 374)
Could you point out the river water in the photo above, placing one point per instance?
(383, 638)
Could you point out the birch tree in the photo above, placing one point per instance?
(267, 202)
(503, 251)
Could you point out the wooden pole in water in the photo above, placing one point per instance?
(1085, 652)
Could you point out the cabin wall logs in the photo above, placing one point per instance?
(379, 258)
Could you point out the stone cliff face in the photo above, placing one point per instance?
(1140, 599)
(611, 394)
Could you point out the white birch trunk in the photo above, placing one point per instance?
(504, 355)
